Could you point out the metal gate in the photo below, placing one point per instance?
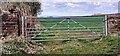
(65, 28)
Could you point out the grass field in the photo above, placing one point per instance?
(106, 45)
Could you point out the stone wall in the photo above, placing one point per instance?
(113, 23)
(11, 23)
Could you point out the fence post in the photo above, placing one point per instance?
(22, 25)
(1, 26)
(106, 25)
(25, 23)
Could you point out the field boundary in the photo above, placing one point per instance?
(33, 31)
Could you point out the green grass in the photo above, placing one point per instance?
(86, 21)
(108, 45)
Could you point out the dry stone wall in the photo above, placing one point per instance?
(113, 23)
(9, 25)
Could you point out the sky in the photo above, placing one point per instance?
(78, 7)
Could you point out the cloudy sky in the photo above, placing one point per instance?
(77, 7)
